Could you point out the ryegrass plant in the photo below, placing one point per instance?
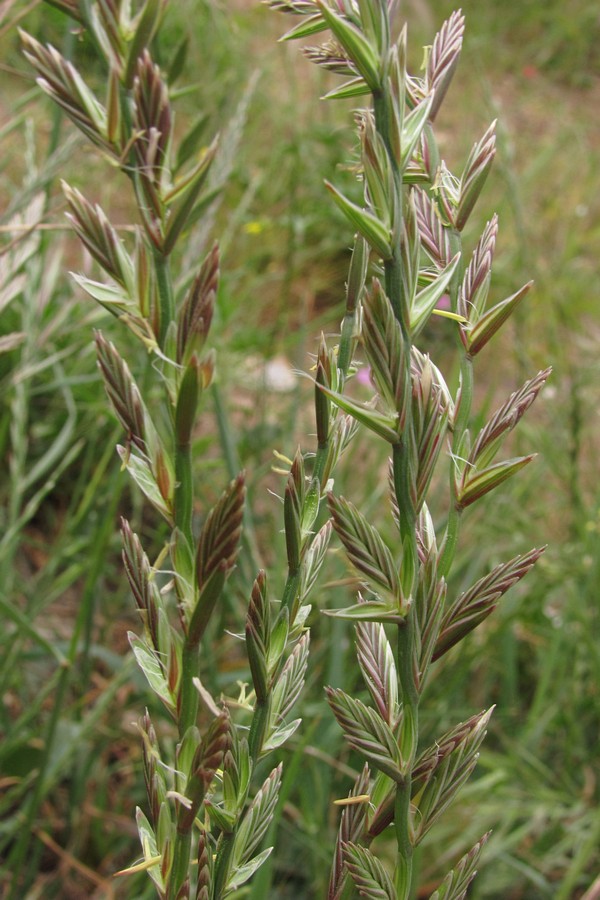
(439, 514)
(412, 215)
(207, 816)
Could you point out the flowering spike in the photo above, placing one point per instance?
(195, 316)
(505, 418)
(141, 580)
(384, 346)
(456, 883)
(125, 398)
(60, 80)
(293, 503)
(364, 546)
(99, 237)
(475, 174)
(207, 759)
(351, 829)
(476, 604)
(489, 323)
(368, 874)
(377, 665)
(152, 120)
(431, 409)
(256, 821)
(217, 552)
(473, 292)
(258, 633)
(476, 484)
(360, 51)
(434, 236)
(443, 59)
(366, 732)
(443, 768)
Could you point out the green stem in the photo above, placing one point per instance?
(320, 462)
(188, 710)
(181, 863)
(450, 542)
(405, 849)
(290, 592)
(461, 421)
(188, 713)
(404, 466)
(395, 290)
(184, 491)
(222, 864)
(166, 300)
(260, 720)
(403, 488)
(408, 748)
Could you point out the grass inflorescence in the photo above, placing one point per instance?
(398, 469)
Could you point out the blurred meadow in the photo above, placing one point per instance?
(70, 754)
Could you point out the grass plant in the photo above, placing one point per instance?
(209, 775)
(412, 216)
(72, 765)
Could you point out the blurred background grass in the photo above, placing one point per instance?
(70, 772)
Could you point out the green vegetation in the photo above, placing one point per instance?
(71, 759)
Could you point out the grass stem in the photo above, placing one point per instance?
(166, 309)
